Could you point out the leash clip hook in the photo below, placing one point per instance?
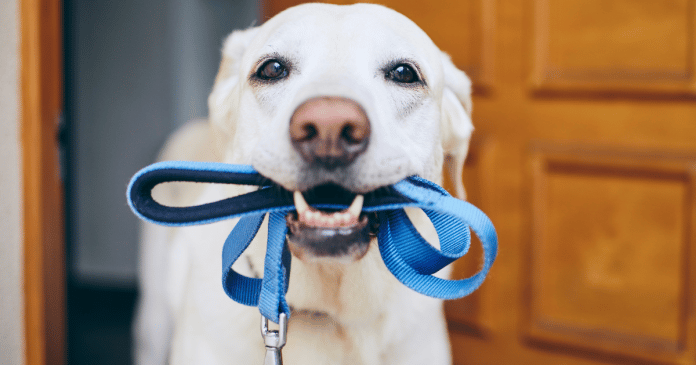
(274, 340)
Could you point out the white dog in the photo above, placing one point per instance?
(350, 97)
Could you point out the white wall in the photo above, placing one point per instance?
(11, 299)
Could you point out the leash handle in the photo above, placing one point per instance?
(407, 255)
(264, 200)
(142, 203)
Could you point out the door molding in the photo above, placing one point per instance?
(41, 84)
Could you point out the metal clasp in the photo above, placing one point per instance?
(274, 340)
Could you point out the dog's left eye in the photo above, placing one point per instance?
(272, 70)
(404, 74)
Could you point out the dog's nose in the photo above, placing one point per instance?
(330, 131)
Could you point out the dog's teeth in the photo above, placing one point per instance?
(356, 207)
(305, 216)
(345, 218)
(314, 218)
(300, 204)
(331, 222)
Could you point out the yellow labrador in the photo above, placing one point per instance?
(350, 98)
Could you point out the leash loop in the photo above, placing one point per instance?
(407, 255)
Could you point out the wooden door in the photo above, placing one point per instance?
(584, 156)
(41, 83)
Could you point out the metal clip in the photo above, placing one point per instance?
(274, 340)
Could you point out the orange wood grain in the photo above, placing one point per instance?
(41, 99)
(612, 264)
(629, 46)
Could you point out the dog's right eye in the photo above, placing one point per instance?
(272, 70)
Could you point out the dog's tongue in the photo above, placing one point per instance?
(312, 217)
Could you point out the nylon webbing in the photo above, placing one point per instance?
(407, 255)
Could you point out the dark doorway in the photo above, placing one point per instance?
(134, 71)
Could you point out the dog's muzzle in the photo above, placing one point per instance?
(329, 132)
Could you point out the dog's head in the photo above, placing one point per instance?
(327, 99)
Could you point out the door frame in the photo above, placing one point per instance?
(41, 95)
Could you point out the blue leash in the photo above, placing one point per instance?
(406, 254)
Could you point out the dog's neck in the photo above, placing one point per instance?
(350, 294)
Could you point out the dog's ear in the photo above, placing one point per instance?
(223, 100)
(456, 126)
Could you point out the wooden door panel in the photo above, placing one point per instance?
(594, 282)
(620, 45)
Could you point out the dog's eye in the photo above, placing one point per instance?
(272, 70)
(404, 74)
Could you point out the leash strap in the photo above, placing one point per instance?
(407, 255)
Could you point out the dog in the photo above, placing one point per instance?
(351, 98)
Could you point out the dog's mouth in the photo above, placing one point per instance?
(328, 234)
